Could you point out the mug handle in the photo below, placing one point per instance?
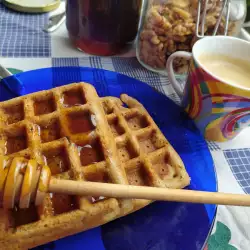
(170, 70)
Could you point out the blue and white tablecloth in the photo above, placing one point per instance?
(24, 46)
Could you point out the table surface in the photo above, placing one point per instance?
(24, 46)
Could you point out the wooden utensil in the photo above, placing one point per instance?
(23, 184)
(142, 192)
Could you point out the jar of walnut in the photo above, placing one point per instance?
(170, 25)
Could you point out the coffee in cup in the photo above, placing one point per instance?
(227, 68)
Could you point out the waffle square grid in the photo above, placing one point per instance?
(82, 137)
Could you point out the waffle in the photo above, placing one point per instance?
(82, 137)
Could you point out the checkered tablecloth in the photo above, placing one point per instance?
(24, 46)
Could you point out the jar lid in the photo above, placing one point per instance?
(38, 6)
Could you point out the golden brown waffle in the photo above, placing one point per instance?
(82, 137)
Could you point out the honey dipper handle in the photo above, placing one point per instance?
(150, 193)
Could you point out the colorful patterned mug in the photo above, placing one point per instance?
(220, 109)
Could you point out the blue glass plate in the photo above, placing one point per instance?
(161, 225)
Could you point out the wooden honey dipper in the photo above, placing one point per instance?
(23, 182)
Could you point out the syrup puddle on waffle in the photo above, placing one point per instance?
(62, 203)
(81, 122)
(90, 154)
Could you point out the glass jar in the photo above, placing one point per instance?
(170, 25)
(102, 27)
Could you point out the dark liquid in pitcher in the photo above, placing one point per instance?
(102, 27)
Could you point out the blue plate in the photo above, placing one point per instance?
(161, 225)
